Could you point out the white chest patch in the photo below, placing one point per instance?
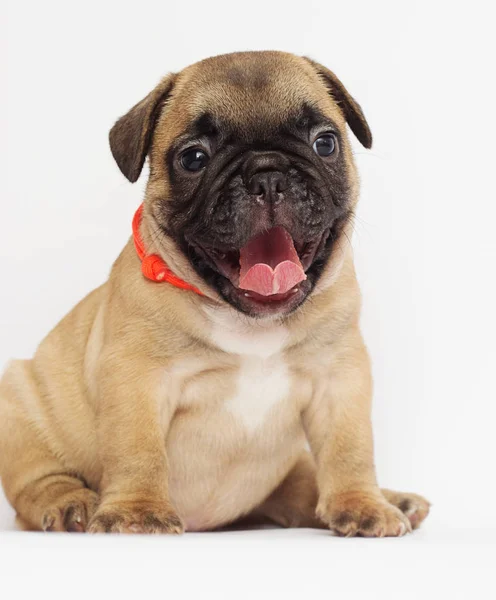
(264, 378)
(262, 383)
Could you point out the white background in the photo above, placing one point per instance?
(425, 252)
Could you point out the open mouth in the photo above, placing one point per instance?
(270, 268)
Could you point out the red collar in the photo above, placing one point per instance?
(152, 266)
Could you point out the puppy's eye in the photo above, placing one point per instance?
(325, 144)
(194, 159)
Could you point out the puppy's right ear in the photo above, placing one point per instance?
(131, 136)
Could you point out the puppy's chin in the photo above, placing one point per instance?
(256, 305)
(247, 290)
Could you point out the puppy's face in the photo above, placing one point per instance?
(251, 173)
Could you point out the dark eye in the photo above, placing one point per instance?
(194, 159)
(325, 144)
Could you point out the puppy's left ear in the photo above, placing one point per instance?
(131, 136)
(351, 109)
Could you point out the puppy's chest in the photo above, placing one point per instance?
(260, 386)
(246, 394)
(253, 388)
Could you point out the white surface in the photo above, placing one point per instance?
(452, 561)
(425, 252)
(442, 561)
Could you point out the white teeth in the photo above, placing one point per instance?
(295, 290)
(247, 295)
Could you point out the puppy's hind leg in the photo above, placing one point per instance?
(415, 507)
(293, 502)
(55, 502)
(46, 494)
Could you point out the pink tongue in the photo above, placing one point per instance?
(270, 264)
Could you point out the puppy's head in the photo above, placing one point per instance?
(252, 181)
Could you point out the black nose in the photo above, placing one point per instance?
(264, 175)
(268, 184)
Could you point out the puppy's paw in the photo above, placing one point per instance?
(415, 507)
(136, 517)
(72, 512)
(363, 514)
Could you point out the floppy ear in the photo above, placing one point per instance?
(131, 136)
(351, 109)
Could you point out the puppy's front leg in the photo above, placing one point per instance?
(339, 431)
(131, 437)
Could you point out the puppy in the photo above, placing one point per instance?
(220, 372)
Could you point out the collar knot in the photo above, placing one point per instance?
(152, 265)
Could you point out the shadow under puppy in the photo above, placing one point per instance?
(187, 404)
